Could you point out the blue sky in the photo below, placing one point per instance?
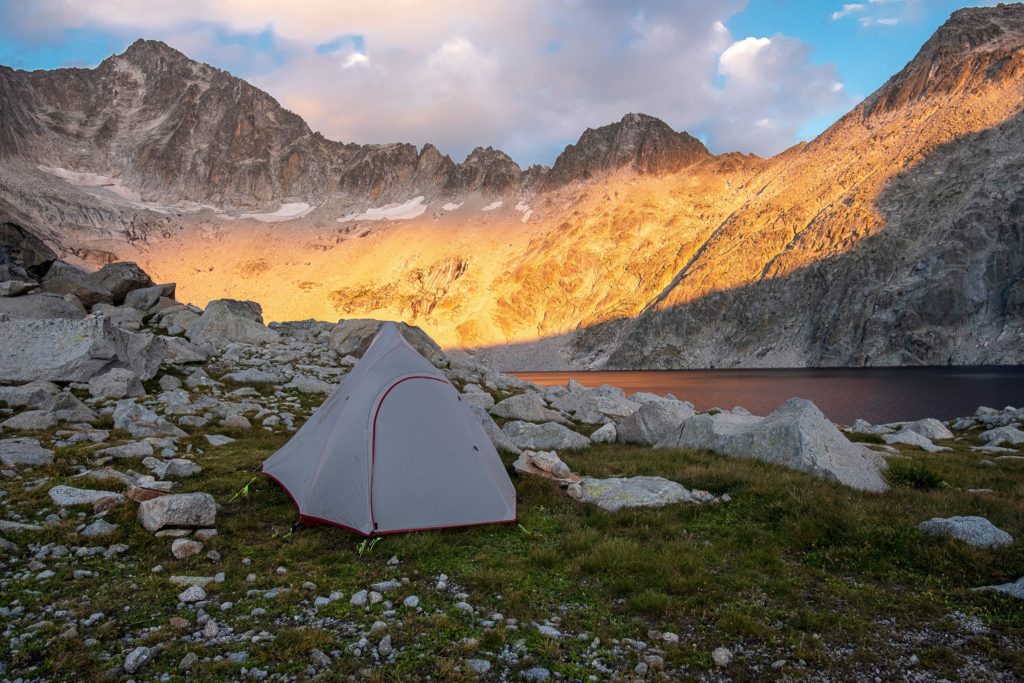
(525, 76)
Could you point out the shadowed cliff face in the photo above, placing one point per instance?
(894, 237)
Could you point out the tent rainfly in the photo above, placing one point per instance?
(394, 448)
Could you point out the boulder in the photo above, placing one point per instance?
(73, 350)
(178, 510)
(653, 422)
(976, 531)
(228, 320)
(178, 350)
(38, 394)
(176, 468)
(141, 422)
(145, 298)
(542, 463)
(912, 438)
(42, 306)
(615, 493)
(1014, 589)
(549, 436)
(494, 433)
(1002, 435)
(479, 398)
(529, 407)
(797, 436)
(24, 452)
(65, 407)
(64, 278)
(68, 496)
(116, 383)
(120, 278)
(593, 406)
(17, 287)
(604, 434)
(22, 252)
(352, 337)
(310, 385)
(930, 428)
(133, 449)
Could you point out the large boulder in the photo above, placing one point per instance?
(69, 496)
(594, 406)
(976, 531)
(228, 320)
(529, 407)
(653, 422)
(910, 437)
(797, 436)
(353, 337)
(1002, 435)
(73, 350)
(41, 306)
(64, 278)
(145, 298)
(178, 510)
(549, 436)
(38, 394)
(120, 278)
(930, 428)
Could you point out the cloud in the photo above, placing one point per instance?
(847, 10)
(525, 76)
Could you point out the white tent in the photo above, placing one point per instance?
(395, 448)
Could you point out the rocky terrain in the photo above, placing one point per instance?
(894, 238)
(138, 540)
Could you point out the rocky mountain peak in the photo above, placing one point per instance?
(644, 143)
(976, 47)
(487, 169)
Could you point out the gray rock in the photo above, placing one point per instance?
(169, 382)
(120, 278)
(38, 394)
(353, 337)
(1002, 435)
(145, 298)
(69, 496)
(912, 438)
(141, 422)
(544, 437)
(310, 385)
(478, 666)
(930, 428)
(178, 510)
(73, 350)
(177, 468)
(137, 659)
(116, 383)
(228, 320)
(529, 407)
(797, 436)
(721, 656)
(536, 673)
(479, 398)
(16, 287)
(653, 422)
(189, 661)
(1014, 589)
(135, 449)
(183, 548)
(252, 376)
(24, 451)
(100, 527)
(178, 350)
(218, 440)
(42, 306)
(384, 647)
(63, 278)
(192, 594)
(976, 531)
(500, 440)
(604, 434)
(359, 598)
(615, 493)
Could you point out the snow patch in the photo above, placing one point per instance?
(527, 214)
(492, 207)
(391, 212)
(522, 206)
(114, 191)
(451, 206)
(285, 213)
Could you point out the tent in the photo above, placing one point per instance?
(394, 448)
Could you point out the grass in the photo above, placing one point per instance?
(794, 568)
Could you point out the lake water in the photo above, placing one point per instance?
(877, 395)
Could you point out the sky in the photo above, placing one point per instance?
(524, 76)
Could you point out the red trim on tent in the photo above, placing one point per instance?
(373, 441)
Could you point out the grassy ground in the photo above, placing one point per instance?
(793, 569)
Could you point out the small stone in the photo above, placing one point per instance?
(722, 656)
(185, 547)
(375, 597)
(412, 602)
(189, 660)
(192, 594)
(137, 659)
(378, 627)
(321, 602)
(537, 673)
(358, 598)
(670, 638)
(100, 527)
(479, 666)
(384, 647)
(549, 631)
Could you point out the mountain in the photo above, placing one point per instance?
(893, 238)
